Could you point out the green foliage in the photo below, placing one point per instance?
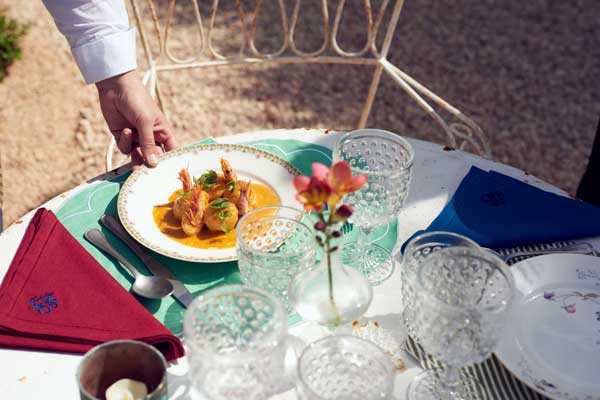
(11, 33)
(208, 179)
(219, 203)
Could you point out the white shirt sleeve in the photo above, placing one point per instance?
(98, 32)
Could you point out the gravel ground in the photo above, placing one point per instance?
(527, 72)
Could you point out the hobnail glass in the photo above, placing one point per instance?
(273, 245)
(236, 339)
(463, 296)
(344, 367)
(387, 160)
(416, 251)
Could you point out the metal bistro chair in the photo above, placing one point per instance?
(460, 131)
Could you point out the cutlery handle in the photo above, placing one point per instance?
(114, 225)
(97, 238)
(580, 248)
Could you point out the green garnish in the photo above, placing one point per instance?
(219, 203)
(231, 186)
(225, 229)
(184, 195)
(222, 215)
(209, 178)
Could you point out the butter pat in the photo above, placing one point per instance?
(126, 389)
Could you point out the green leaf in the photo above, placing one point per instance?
(222, 214)
(209, 179)
(225, 229)
(231, 186)
(219, 203)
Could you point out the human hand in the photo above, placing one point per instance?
(134, 119)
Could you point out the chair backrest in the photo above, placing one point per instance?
(379, 25)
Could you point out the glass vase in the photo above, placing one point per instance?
(329, 293)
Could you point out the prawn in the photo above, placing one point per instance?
(228, 172)
(192, 219)
(186, 180)
(181, 202)
(244, 200)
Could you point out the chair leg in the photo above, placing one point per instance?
(364, 117)
(589, 187)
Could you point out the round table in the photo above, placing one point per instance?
(437, 172)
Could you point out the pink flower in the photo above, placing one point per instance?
(570, 308)
(341, 179)
(313, 195)
(301, 183)
(327, 185)
(319, 170)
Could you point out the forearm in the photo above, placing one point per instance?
(98, 32)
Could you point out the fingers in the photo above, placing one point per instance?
(124, 140)
(167, 139)
(150, 151)
(170, 143)
(137, 159)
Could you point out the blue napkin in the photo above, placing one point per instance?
(498, 211)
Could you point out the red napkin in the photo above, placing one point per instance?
(55, 296)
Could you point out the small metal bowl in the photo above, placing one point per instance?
(107, 363)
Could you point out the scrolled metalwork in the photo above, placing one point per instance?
(326, 30)
(336, 26)
(284, 27)
(461, 132)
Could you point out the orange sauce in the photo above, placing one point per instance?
(171, 227)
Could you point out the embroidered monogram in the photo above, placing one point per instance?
(494, 199)
(44, 304)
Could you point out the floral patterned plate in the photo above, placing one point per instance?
(147, 187)
(552, 342)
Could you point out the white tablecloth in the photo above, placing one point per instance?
(436, 175)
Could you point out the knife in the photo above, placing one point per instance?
(180, 292)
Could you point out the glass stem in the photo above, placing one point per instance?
(364, 239)
(450, 379)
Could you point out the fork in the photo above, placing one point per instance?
(574, 248)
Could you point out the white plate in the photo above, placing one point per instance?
(552, 342)
(147, 187)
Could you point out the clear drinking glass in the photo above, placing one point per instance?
(415, 252)
(344, 368)
(463, 296)
(387, 160)
(237, 342)
(273, 245)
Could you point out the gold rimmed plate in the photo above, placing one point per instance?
(147, 188)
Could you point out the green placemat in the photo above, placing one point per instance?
(83, 211)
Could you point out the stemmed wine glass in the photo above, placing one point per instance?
(387, 160)
(416, 251)
(463, 296)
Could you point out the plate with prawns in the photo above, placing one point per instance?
(189, 205)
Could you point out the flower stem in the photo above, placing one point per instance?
(338, 318)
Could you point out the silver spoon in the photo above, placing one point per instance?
(151, 287)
